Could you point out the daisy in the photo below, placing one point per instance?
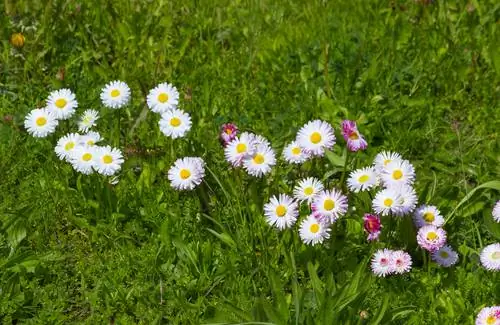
(90, 138)
(228, 133)
(496, 212)
(294, 154)
(387, 201)
(162, 98)
(355, 141)
(281, 212)
(312, 231)
(397, 173)
(115, 95)
(175, 123)
(316, 136)
(445, 256)
(328, 206)
(408, 200)
(261, 162)
(62, 104)
(384, 158)
(239, 148)
(40, 122)
(428, 215)
(362, 179)
(490, 257)
(402, 262)
(382, 264)
(307, 189)
(88, 120)
(66, 145)
(108, 160)
(186, 173)
(372, 225)
(489, 316)
(82, 159)
(431, 238)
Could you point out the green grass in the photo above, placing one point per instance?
(422, 80)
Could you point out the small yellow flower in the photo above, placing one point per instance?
(17, 40)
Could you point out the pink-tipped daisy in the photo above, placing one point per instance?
(328, 206)
(355, 141)
(402, 262)
(382, 263)
(445, 256)
(431, 238)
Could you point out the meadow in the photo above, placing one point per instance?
(420, 78)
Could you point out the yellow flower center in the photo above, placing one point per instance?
(495, 255)
(388, 202)
(162, 98)
(314, 228)
(90, 142)
(229, 131)
(69, 146)
(387, 161)
(115, 93)
(241, 147)
(308, 190)
(258, 159)
(280, 210)
(363, 178)
(354, 136)
(444, 254)
(41, 121)
(107, 159)
(429, 217)
(185, 173)
(175, 122)
(491, 320)
(86, 156)
(397, 174)
(296, 151)
(432, 235)
(61, 103)
(328, 204)
(315, 137)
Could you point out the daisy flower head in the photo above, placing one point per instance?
(489, 316)
(175, 123)
(490, 257)
(40, 122)
(239, 148)
(162, 98)
(294, 154)
(312, 231)
(115, 94)
(307, 189)
(372, 225)
(186, 173)
(428, 215)
(82, 159)
(402, 262)
(445, 256)
(397, 173)
(355, 141)
(382, 263)
(281, 212)
(316, 136)
(228, 133)
(87, 120)
(107, 160)
(384, 158)
(431, 238)
(90, 138)
(362, 179)
(62, 103)
(261, 162)
(496, 212)
(387, 201)
(66, 145)
(328, 206)
(408, 199)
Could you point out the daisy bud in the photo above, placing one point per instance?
(228, 133)
(355, 141)
(372, 226)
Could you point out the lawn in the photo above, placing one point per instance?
(420, 78)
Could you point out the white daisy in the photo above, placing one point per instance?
(312, 231)
(408, 199)
(186, 173)
(82, 159)
(402, 262)
(240, 148)
(316, 136)
(445, 256)
(489, 316)
(382, 264)
(40, 122)
(115, 94)
(87, 120)
(328, 206)
(175, 123)
(62, 103)
(496, 212)
(162, 98)
(490, 257)
(397, 173)
(307, 189)
(427, 215)
(90, 138)
(384, 158)
(108, 160)
(281, 212)
(294, 154)
(387, 201)
(362, 179)
(261, 162)
(66, 145)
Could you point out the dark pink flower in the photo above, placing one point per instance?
(355, 140)
(372, 226)
(228, 132)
